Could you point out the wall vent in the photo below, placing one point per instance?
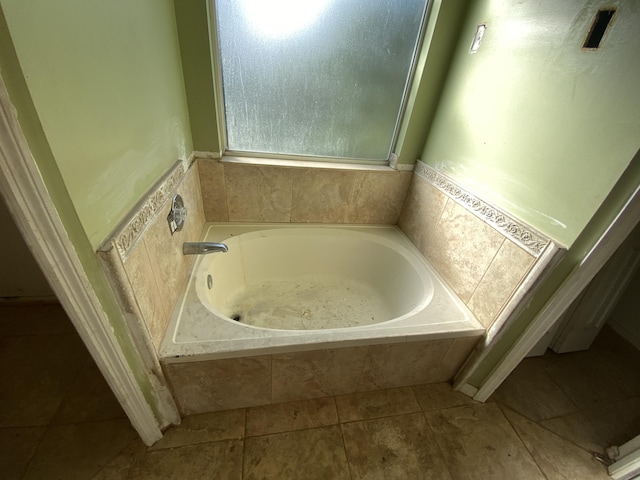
(599, 26)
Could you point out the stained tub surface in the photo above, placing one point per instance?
(288, 287)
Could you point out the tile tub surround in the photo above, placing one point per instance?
(144, 261)
(483, 253)
(215, 385)
(233, 192)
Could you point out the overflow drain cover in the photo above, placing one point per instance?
(236, 317)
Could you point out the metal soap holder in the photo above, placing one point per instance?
(177, 215)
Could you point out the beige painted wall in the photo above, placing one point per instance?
(106, 81)
(531, 122)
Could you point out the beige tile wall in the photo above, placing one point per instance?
(154, 268)
(253, 193)
(214, 385)
(481, 264)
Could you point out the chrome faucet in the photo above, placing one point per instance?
(200, 248)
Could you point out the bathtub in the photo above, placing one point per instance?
(289, 287)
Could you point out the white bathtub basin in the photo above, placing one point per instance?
(291, 287)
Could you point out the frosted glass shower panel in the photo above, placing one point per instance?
(316, 77)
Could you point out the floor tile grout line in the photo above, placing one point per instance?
(346, 452)
(335, 406)
(381, 417)
(295, 430)
(439, 447)
(33, 454)
(560, 436)
(559, 385)
(244, 444)
(578, 410)
(517, 432)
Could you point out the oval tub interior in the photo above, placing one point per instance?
(336, 278)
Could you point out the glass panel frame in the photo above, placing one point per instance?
(413, 77)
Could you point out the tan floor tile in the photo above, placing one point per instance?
(204, 428)
(79, 451)
(576, 428)
(588, 378)
(399, 447)
(597, 428)
(479, 443)
(17, 446)
(118, 468)
(623, 358)
(616, 423)
(532, 392)
(217, 460)
(436, 396)
(557, 458)
(41, 319)
(310, 454)
(35, 374)
(377, 403)
(89, 399)
(287, 417)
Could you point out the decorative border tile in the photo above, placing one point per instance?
(522, 234)
(128, 233)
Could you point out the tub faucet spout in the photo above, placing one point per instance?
(201, 248)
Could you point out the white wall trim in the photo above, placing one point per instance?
(627, 467)
(577, 280)
(28, 201)
(468, 389)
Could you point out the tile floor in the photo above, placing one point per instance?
(58, 420)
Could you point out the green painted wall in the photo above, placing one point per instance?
(440, 39)
(193, 33)
(30, 123)
(531, 122)
(106, 82)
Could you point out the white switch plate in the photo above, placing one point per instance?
(477, 38)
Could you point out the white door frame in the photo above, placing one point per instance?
(564, 296)
(28, 201)
(627, 460)
(599, 299)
